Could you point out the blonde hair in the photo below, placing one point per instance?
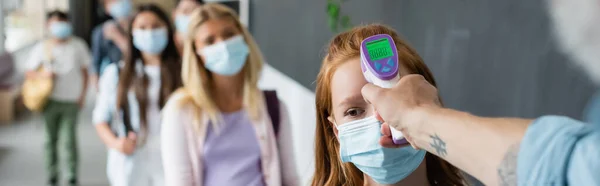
(196, 78)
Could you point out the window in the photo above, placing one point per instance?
(24, 21)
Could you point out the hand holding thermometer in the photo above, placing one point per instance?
(379, 63)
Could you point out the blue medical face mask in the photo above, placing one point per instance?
(120, 9)
(226, 58)
(151, 41)
(182, 22)
(359, 144)
(61, 30)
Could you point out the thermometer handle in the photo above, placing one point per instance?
(397, 136)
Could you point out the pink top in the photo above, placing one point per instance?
(183, 143)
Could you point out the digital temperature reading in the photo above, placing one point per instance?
(379, 49)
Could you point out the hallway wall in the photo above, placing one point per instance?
(492, 58)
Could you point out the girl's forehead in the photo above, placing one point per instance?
(347, 81)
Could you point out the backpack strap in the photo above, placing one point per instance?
(273, 108)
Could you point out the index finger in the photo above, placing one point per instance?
(371, 93)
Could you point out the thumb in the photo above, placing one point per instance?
(372, 93)
(131, 136)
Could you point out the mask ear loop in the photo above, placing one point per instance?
(339, 158)
(334, 121)
(197, 51)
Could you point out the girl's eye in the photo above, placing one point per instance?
(209, 41)
(354, 112)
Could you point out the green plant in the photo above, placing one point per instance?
(336, 19)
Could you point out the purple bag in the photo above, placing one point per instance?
(273, 108)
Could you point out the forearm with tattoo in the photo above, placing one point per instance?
(507, 170)
(438, 145)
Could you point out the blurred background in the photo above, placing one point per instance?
(491, 58)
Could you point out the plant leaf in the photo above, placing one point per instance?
(333, 10)
(345, 21)
(333, 24)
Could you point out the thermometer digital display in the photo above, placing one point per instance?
(379, 64)
(379, 49)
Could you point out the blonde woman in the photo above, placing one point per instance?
(220, 129)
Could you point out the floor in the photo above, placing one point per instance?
(21, 151)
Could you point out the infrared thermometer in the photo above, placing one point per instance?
(379, 64)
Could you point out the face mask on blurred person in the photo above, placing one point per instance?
(359, 144)
(61, 30)
(151, 41)
(120, 9)
(182, 22)
(226, 58)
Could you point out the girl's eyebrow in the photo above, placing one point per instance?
(351, 100)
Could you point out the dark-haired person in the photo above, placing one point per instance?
(181, 18)
(131, 96)
(109, 40)
(67, 57)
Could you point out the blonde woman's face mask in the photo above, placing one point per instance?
(222, 47)
(214, 31)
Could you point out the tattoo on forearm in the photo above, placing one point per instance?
(439, 145)
(507, 170)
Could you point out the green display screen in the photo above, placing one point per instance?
(379, 49)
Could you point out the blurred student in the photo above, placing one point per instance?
(220, 129)
(109, 40)
(181, 17)
(67, 57)
(132, 93)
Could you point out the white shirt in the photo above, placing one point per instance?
(69, 58)
(146, 162)
(107, 98)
